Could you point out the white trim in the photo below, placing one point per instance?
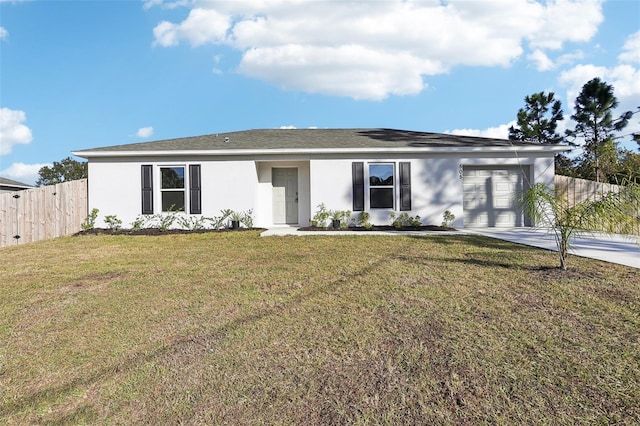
(282, 151)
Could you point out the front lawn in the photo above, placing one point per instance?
(237, 329)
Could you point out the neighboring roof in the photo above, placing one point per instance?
(312, 140)
(4, 182)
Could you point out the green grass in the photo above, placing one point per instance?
(230, 328)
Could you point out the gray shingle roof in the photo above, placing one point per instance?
(9, 182)
(300, 139)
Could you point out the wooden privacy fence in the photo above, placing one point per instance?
(578, 190)
(41, 213)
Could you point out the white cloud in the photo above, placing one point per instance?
(25, 173)
(201, 26)
(570, 58)
(371, 50)
(566, 21)
(631, 49)
(625, 80)
(498, 132)
(288, 127)
(3, 33)
(541, 60)
(148, 4)
(144, 132)
(12, 130)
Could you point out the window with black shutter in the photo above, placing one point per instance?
(405, 186)
(147, 189)
(195, 202)
(358, 186)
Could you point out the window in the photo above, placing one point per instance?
(386, 189)
(381, 184)
(172, 188)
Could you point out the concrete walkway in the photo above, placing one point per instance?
(621, 249)
(293, 230)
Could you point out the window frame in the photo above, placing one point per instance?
(369, 187)
(184, 189)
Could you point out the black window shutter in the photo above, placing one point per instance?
(195, 199)
(405, 186)
(147, 189)
(357, 170)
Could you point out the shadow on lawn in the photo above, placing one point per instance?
(477, 241)
(187, 348)
(502, 254)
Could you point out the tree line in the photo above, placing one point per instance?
(596, 130)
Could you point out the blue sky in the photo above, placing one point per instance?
(83, 74)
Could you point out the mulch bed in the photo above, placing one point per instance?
(157, 231)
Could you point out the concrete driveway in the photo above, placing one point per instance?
(621, 249)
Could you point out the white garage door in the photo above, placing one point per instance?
(489, 196)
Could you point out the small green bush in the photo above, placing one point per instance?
(403, 220)
(320, 217)
(448, 219)
(90, 222)
(113, 222)
(363, 220)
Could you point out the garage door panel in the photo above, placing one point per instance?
(489, 195)
(504, 187)
(505, 219)
(502, 203)
(469, 188)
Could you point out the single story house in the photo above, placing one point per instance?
(8, 185)
(282, 175)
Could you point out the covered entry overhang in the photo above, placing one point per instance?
(283, 193)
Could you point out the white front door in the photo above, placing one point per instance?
(285, 195)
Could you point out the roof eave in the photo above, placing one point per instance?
(247, 152)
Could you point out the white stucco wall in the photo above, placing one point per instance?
(434, 187)
(241, 184)
(436, 183)
(228, 185)
(115, 187)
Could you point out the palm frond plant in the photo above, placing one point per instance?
(615, 212)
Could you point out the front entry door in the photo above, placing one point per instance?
(285, 196)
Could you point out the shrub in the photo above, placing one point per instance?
(113, 222)
(166, 220)
(448, 219)
(341, 215)
(141, 222)
(192, 223)
(218, 222)
(90, 222)
(363, 220)
(243, 217)
(404, 220)
(321, 216)
(247, 218)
